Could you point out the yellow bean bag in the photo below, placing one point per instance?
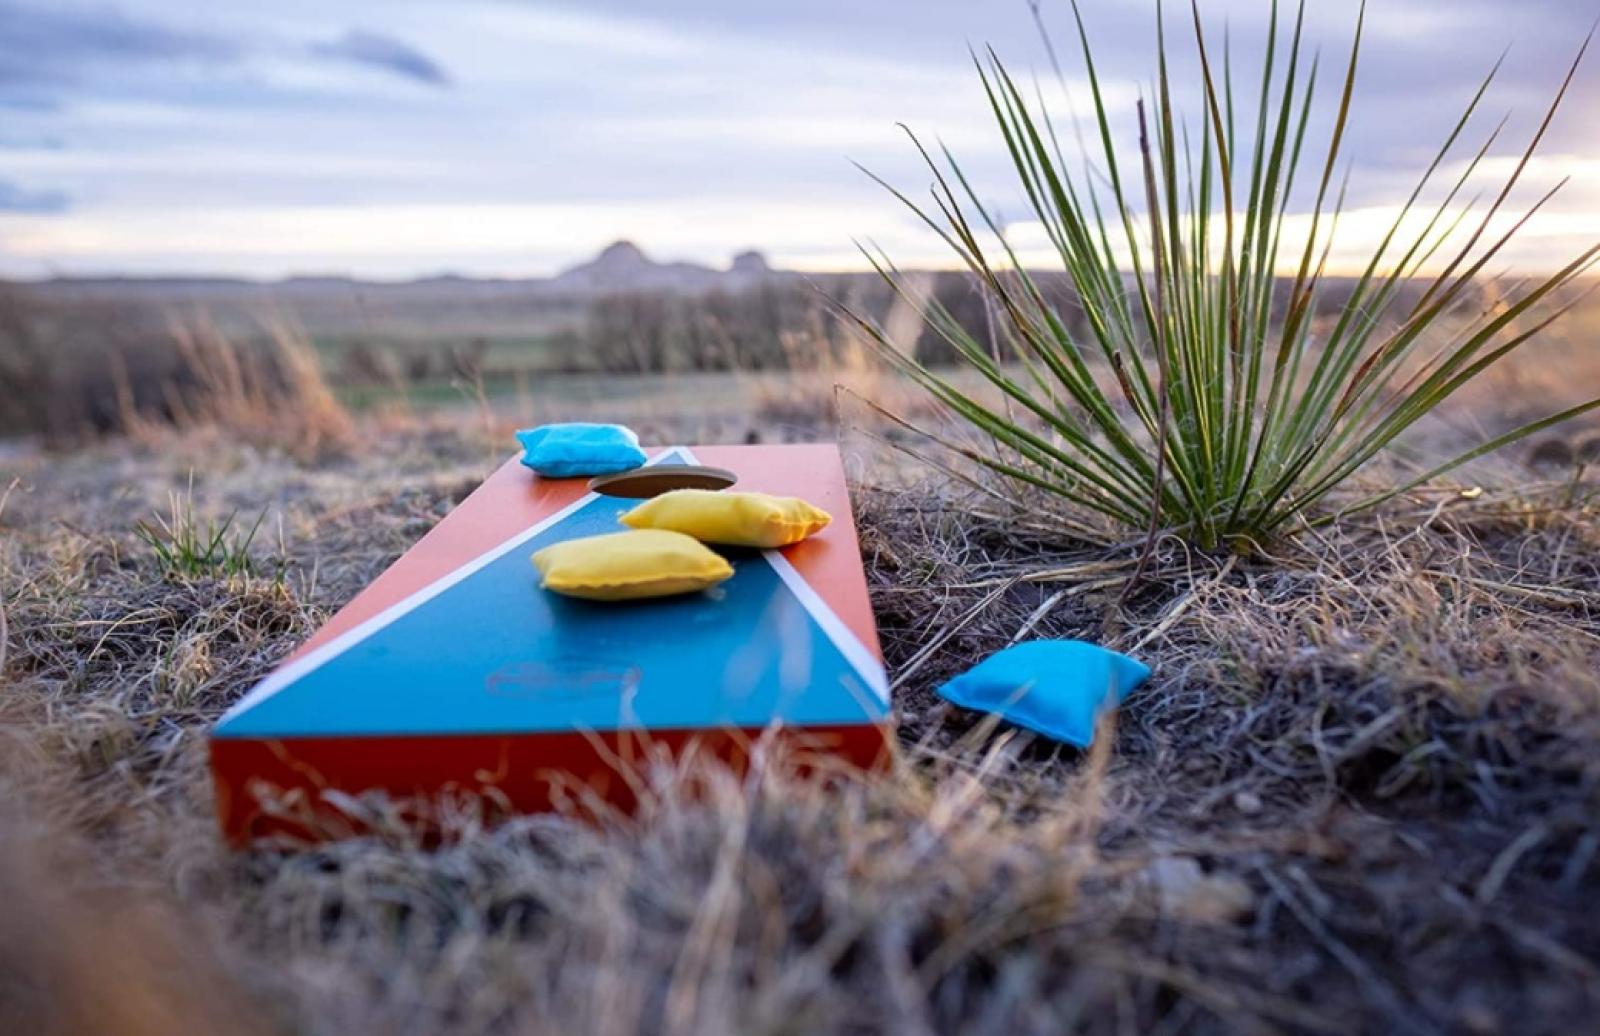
(622, 566)
(734, 519)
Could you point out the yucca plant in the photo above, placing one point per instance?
(1225, 413)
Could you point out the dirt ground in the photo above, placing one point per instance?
(1360, 793)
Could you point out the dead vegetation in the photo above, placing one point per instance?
(272, 397)
(1364, 769)
(72, 371)
(150, 976)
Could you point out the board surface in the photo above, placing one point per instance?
(454, 670)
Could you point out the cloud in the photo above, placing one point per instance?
(53, 46)
(14, 198)
(47, 53)
(386, 53)
(31, 142)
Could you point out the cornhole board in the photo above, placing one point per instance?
(455, 672)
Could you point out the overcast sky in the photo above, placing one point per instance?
(394, 138)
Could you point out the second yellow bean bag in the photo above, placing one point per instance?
(733, 519)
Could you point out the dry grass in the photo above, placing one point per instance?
(272, 399)
(832, 364)
(79, 955)
(75, 370)
(1362, 770)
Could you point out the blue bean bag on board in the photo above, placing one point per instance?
(578, 450)
(1052, 687)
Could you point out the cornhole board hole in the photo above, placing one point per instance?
(454, 672)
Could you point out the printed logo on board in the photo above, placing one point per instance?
(563, 680)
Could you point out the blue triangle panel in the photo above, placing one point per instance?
(496, 654)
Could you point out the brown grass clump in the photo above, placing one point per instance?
(82, 956)
(275, 398)
(74, 369)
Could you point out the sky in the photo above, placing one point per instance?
(400, 138)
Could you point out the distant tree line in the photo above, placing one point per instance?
(795, 324)
(776, 325)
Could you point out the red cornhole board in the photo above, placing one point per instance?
(455, 672)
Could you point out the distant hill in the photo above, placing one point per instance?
(623, 266)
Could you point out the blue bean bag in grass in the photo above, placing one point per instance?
(578, 450)
(1052, 687)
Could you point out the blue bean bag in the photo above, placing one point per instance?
(579, 450)
(1053, 687)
